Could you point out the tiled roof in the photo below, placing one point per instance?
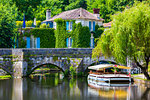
(107, 24)
(78, 13)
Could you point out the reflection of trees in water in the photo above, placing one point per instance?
(67, 89)
(6, 89)
(145, 94)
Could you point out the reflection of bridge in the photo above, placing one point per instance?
(24, 89)
(21, 62)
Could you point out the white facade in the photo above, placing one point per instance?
(83, 23)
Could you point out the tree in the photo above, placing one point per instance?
(73, 4)
(8, 16)
(27, 6)
(108, 7)
(128, 38)
(54, 5)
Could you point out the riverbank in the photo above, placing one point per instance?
(140, 78)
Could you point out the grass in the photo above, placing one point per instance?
(135, 74)
(5, 77)
(43, 69)
(141, 78)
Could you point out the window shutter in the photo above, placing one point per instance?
(71, 23)
(93, 43)
(28, 42)
(67, 42)
(38, 42)
(51, 24)
(67, 25)
(93, 25)
(71, 43)
(90, 25)
(14, 43)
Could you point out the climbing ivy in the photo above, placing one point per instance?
(47, 38)
(60, 33)
(81, 36)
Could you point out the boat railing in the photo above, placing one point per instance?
(100, 73)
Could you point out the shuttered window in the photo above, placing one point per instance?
(28, 42)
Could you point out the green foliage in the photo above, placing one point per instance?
(43, 25)
(19, 24)
(38, 23)
(108, 7)
(27, 6)
(98, 31)
(22, 42)
(54, 5)
(103, 45)
(8, 15)
(60, 33)
(81, 36)
(66, 73)
(73, 71)
(129, 37)
(29, 23)
(73, 4)
(47, 38)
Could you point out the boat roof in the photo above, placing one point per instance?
(102, 66)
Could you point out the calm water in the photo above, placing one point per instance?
(54, 88)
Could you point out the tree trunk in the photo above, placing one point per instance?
(146, 73)
(144, 69)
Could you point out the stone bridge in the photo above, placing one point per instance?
(22, 62)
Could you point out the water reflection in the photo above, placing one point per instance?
(110, 90)
(53, 88)
(17, 92)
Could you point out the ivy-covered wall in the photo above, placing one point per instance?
(81, 36)
(47, 37)
(60, 33)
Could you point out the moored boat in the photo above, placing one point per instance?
(109, 73)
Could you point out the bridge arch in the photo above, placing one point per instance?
(6, 69)
(40, 65)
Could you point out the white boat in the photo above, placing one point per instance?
(109, 73)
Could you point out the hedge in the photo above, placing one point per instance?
(19, 24)
(47, 38)
(81, 36)
(60, 33)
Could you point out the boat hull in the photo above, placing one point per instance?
(109, 78)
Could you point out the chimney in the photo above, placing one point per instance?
(48, 14)
(96, 12)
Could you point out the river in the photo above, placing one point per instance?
(54, 87)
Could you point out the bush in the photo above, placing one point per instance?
(43, 25)
(73, 71)
(66, 73)
(19, 24)
(29, 23)
(98, 31)
(38, 23)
